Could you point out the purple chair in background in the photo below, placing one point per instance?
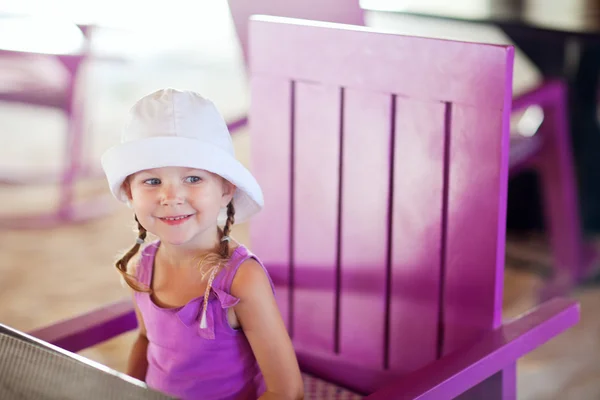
(384, 160)
(549, 154)
(51, 79)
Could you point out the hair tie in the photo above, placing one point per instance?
(225, 239)
(139, 240)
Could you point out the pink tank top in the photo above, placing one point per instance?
(188, 361)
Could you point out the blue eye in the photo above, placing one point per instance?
(193, 179)
(152, 181)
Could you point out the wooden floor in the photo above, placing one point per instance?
(47, 275)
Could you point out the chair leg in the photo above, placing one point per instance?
(555, 167)
(72, 154)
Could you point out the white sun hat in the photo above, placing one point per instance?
(173, 128)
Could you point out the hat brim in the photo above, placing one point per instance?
(128, 158)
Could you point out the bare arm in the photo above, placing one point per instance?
(138, 362)
(261, 321)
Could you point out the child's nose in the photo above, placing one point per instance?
(171, 195)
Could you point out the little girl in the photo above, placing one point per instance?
(209, 327)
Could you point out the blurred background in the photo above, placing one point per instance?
(70, 70)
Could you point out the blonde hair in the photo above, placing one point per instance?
(211, 263)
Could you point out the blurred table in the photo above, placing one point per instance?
(562, 38)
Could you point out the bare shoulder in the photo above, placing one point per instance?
(261, 321)
(250, 280)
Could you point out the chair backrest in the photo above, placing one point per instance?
(384, 163)
(340, 11)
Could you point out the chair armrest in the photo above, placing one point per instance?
(522, 151)
(86, 330)
(461, 370)
(547, 92)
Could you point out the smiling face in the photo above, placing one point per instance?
(179, 205)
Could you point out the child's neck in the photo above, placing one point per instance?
(187, 254)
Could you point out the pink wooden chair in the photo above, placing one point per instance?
(384, 159)
(548, 153)
(392, 255)
(51, 80)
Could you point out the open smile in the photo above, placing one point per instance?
(176, 220)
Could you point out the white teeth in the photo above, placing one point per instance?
(176, 218)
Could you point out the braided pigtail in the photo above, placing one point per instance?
(122, 263)
(218, 260)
